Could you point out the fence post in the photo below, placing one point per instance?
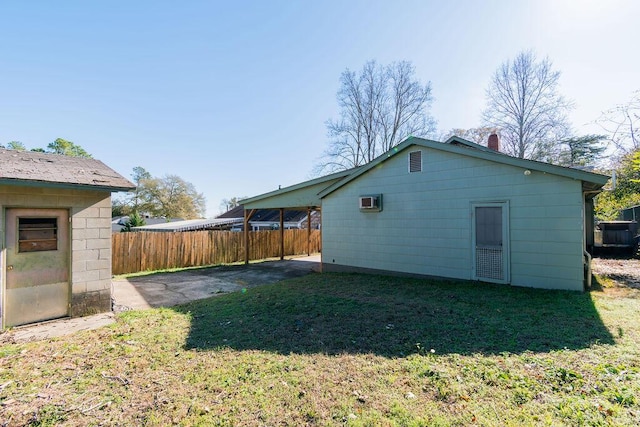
(281, 234)
(247, 217)
(308, 231)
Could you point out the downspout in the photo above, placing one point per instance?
(586, 253)
(588, 256)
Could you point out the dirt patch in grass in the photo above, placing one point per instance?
(341, 350)
(617, 275)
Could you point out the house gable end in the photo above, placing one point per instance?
(591, 181)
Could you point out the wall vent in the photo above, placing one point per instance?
(370, 203)
(415, 161)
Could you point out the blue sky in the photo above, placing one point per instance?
(234, 96)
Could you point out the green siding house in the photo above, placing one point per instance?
(458, 210)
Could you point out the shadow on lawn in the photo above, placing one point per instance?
(394, 317)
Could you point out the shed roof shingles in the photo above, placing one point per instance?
(28, 166)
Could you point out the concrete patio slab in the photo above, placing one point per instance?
(168, 289)
(56, 328)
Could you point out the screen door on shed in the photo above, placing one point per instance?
(37, 265)
(490, 242)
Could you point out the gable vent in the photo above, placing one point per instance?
(415, 161)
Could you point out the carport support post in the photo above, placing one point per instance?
(308, 231)
(281, 234)
(247, 217)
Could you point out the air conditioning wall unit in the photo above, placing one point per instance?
(370, 203)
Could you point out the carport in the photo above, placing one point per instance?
(302, 196)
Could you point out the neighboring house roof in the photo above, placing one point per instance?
(590, 181)
(266, 215)
(118, 223)
(33, 168)
(271, 215)
(456, 140)
(187, 225)
(237, 212)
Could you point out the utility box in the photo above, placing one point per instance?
(616, 234)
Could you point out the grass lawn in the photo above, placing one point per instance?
(341, 349)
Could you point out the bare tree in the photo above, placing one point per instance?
(524, 104)
(622, 124)
(379, 107)
(228, 204)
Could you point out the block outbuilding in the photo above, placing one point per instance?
(55, 236)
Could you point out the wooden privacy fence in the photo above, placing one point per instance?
(144, 251)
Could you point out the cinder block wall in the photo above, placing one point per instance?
(90, 213)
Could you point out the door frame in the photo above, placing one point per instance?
(506, 247)
(4, 255)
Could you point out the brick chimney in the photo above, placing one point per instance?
(494, 142)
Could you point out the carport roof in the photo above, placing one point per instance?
(43, 169)
(301, 196)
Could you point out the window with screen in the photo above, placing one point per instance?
(488, 226)
(37, 234)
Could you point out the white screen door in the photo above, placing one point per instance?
(490, 241)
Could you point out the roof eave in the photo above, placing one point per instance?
(299, 186)
(66, 185)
